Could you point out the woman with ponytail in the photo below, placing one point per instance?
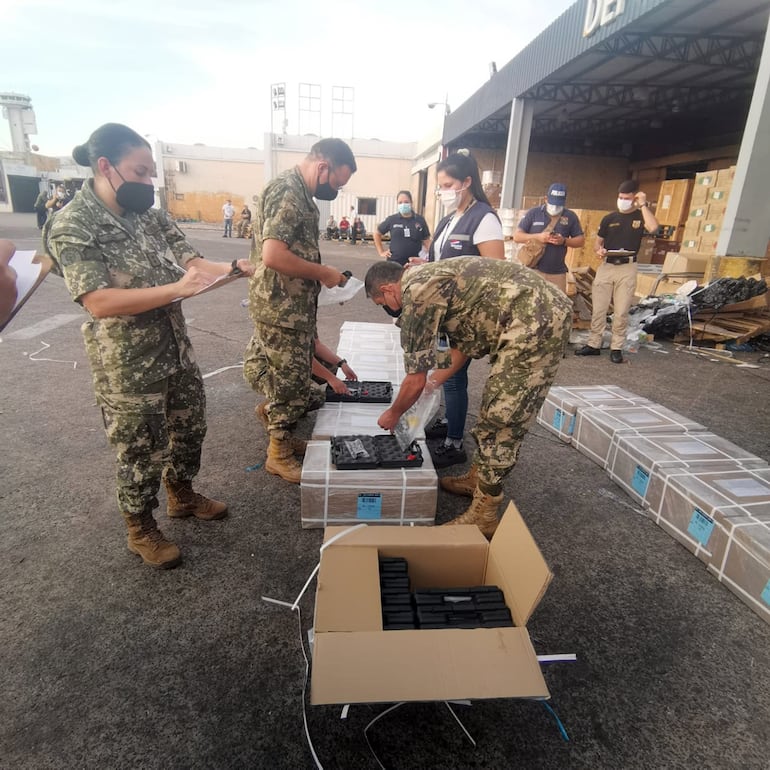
(471, 227)
(128, 265)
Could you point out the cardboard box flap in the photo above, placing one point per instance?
(348, 590)
(517, 566)
(428, 664)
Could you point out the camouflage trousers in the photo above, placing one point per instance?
(522, 369)
(278, 364)
(155, 434)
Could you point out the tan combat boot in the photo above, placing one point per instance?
(184, 502)
(482, 512)
(281, 460)
(298, 445)
(145, 539)
(461, 485)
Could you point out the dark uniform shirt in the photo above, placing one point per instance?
(406, 236)
(568, 225)
(93, 248)
(622, 231)
(285, 212)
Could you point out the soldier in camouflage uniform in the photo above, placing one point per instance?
(122, 261)
(283, 294)
(489, 308)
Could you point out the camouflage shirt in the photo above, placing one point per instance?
(285, 212)
(93, 248)
(476, 303)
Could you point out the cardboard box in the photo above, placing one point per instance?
(716, 211)
(662, 248)
(725, 177)
(635, 462)
(654, 285)
(706, 179)
(376, 496)
(708, 243)
(673, 201)
(585, 256)
(690, 245)
(699, 197)
(355, 661)
(561, 405)
(710, 227)
(700, 211)
(596, 427)
(691, 230)
(694, 506)
(719, 194)
(692, 262)
(644, 255)
(745, 566)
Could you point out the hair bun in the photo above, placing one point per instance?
(80, 155)
(464, 151)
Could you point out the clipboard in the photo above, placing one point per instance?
(31, 270)
(216, 283)
(234, 274)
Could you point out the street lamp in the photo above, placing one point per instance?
(447, 109)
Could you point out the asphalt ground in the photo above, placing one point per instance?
(107, 663)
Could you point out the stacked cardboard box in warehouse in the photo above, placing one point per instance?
(707, 210)
(585, 256)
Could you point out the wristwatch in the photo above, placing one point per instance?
(341, 362)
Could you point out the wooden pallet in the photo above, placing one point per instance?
(723, 327)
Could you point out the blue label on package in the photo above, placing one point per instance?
(766, 594)
(558, 419)
(701, 526)
(369, 506)
(640, 481)
(571, 425)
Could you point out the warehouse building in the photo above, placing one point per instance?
(660, 90)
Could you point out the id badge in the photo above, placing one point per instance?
(406, 232)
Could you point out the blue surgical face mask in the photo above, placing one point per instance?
(404, 209)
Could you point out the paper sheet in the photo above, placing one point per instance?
(27, 273)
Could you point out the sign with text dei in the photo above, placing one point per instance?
(600, 13)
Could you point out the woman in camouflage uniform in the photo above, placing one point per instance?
(127, 264)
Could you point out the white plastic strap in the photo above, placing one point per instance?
(318, 566)
(567, 657)
(222, 369)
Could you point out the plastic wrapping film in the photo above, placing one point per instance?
(561, 405)
(635, 462)
(375, 365)
(375, 496)
(595, 427)
(357, 335)
(745, 566)
(342, 419)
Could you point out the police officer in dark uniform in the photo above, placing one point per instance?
(409, 233)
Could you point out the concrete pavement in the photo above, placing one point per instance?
(106, 663)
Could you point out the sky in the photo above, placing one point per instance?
(185, 71)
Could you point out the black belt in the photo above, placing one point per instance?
(614, 260)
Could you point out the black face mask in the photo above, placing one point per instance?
(134, 196)
(392, 313)
(323, 190)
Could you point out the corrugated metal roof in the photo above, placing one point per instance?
(673, 58)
